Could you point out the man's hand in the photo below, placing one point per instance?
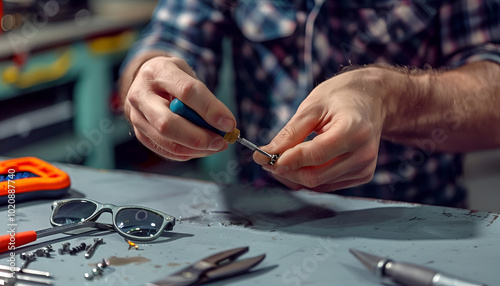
(452, 111)
(146, 105)
(347, 114)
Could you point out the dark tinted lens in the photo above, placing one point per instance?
(75, 211)
(138, 222)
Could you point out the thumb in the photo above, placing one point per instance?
(295, 132)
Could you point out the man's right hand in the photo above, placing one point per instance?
(146, 105)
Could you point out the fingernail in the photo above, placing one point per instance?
(225, 124)
(267, 168)
(216, 145)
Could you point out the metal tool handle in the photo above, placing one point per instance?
(441, 279)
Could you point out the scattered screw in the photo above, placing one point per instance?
(96, 271)
(92, 249)
(105, 262)
(47, 250)
(28, 257)
(88, 276)
(77, 249)
(42, 252)
(65, 248)
(25, 255)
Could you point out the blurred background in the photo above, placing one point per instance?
(59, 64)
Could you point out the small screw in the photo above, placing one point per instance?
(65, 248)
(88, 276)
(77, 249)
(30, 256)
(96, 271)
(26, 255)
(92, 249)
(42, 252)
(105, 263)
(47, 250)
(274, 158)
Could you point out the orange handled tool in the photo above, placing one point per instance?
(13, 240)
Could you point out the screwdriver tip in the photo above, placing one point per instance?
(253, 147)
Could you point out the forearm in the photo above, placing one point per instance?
(451, 111)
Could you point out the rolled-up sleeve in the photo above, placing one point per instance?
(470, 31)
(191, 30)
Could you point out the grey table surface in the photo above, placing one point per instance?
(305, 236)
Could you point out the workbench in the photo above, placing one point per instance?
(305, 236)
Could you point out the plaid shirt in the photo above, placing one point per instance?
(282, 49)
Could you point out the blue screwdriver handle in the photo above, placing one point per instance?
(178, 107)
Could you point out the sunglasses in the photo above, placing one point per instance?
(132, 222)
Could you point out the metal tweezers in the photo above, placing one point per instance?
(218, 266)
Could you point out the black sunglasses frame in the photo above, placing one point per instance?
(168, 221)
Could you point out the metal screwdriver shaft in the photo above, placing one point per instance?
(252, 146)
(234, 136)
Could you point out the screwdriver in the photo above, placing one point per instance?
(185, 111)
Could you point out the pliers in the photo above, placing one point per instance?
(214, 267)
